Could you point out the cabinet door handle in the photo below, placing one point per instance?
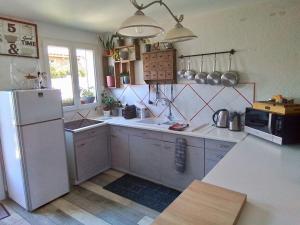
(113, 136)
(167, 147)
(81, 145)
(157, 145)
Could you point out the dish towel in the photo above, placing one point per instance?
(180, 155)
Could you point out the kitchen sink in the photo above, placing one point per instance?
(156, 122)
(78, 124)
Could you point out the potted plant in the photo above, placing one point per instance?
(120, 40)
(117, 110)
(107, 44)
(110, 78)
(87, 96)
(125, 77)
(108, 103)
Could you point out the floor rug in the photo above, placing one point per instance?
(147, 193)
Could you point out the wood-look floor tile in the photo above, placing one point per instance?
(146, 220)
(57, 216)
(32, 218)
(114, 173)
(14, 218)
(103, 179)
(78, 213)
(112, 212)
(107, 194)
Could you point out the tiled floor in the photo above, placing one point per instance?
(86, 204)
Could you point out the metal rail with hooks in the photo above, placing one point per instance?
(232, 52)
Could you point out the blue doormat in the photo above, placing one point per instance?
(147, 193)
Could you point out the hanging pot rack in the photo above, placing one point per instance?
(232, 52)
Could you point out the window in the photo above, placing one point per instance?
(72, 70)
(60, 72)
(86, 72)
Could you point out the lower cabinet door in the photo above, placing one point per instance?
(145, 157)
(91, 157)
(194, 166)
(119, 151)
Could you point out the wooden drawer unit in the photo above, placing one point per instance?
(191, 141)
(160, 66)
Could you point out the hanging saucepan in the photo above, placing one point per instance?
(230, 78)
(190, 74)
(201, 77)
(182, 69)
(214, 78)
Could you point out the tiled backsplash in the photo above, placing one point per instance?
(193, 103)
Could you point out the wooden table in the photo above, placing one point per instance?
(203, 204)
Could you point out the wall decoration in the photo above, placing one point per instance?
(18, 38)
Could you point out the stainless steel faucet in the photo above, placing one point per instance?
(168, 103)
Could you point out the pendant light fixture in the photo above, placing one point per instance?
(141, 26)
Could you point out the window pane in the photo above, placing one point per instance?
(86, 75)
(59, 62)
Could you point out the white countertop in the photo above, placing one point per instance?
(270, 176)
(202, 131)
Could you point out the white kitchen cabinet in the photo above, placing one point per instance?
(119, 145)
(214, 152)
(145, 157)
(194, 166)
(88, 153)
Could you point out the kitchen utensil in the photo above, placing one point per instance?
(157, 92)
(201, 77)
(214, 78)
(220, 118)
(230, 78)
(149, 94)
(182, 69)
(235, 121)
(189, 74)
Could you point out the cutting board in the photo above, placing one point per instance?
(203, 204)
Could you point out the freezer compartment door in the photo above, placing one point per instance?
(33, 106)
(45, 160)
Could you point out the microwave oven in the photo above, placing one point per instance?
(280, 129)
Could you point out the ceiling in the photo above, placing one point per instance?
(105, 15)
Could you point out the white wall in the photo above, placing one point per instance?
(267, 37)
(45, 31)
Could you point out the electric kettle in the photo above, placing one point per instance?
(235, 121)
(221, 117)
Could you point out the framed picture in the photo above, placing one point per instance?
(18, 38)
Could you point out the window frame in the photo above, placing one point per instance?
(73, 46)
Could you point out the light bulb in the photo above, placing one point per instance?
(139, 30)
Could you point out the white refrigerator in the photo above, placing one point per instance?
(33, 146)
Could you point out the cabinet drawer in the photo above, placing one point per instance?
(165, 66)
(116, 130)
(90, 133)
(169, 75)
(145, 133)
(164, 56)
(215, 155)
(191, 141)
(147, 75)
(153, 57)
(153, 66)
(153, 75)
(161, 75)
(146, 66)
(146, 57)
(218, 145)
